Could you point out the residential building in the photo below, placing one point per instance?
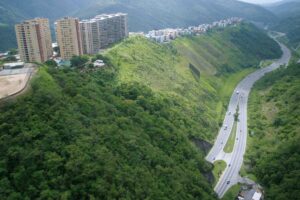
(166, 35)
(68, 37)
(102, 31)
(34, 40)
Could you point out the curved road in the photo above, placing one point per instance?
(239, 99)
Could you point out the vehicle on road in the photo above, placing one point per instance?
(228, 182)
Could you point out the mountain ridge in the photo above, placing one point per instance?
(143, 15)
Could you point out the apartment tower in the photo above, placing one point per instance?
(68, 37)
(102, 31)
(34, 40)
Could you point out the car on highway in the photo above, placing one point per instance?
(228, 182)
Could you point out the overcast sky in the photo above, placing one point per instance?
(260, 1)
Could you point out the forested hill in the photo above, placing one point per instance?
(274, 154)
(143, 14)
(126, 131)
(152, 14)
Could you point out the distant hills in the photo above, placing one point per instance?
(288, 13)
(143, 14)
(153, 14)
(285, 8)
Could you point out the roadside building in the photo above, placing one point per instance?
(34, 40)
(68, 37)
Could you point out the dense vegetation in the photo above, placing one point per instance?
(274, 153)
(7, 37)
(77, 137)
(126, 131)
(143, 14)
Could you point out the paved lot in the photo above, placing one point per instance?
(12, 84)
(13, 81)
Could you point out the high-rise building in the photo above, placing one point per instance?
(68, 37)
(103, 30)
(34, 40)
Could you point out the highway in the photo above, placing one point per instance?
(239, 99)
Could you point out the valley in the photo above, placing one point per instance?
(147, 103)
(130, 126)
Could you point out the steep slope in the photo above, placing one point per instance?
(81, 138)
(123, 132)
(191, 69)
(143, 14)
(273, 155)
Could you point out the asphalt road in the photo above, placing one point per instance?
(239, 99)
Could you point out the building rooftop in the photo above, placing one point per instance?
(102, 17)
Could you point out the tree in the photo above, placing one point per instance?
(51, 63)
(79, 61)
(12, 52)
(10, 58)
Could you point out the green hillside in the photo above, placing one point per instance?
(143, 14)
(126, 131)
(220, 56)
(274, 154)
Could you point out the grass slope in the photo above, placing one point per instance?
(165, 69)
(273, 150)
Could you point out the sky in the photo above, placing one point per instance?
(260, 1)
